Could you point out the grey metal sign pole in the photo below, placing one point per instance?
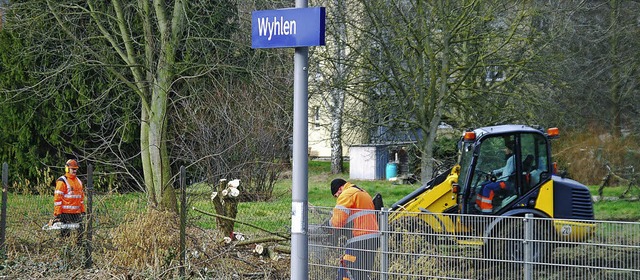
(300, 179)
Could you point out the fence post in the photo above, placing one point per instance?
(89, 230)
(528, 246)
(3, 212)
(183, 220)
(383, 221)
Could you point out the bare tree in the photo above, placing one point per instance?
(238, 125)
(237, 130)
(427, 61)
(338, 82)
(593, 64)
(151, 67)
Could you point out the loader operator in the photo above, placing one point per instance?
(68, 199)
(485, 198)
(354, 210)
(510, 167)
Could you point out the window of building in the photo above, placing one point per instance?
(494, 74)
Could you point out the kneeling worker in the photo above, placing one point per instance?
(354, 211)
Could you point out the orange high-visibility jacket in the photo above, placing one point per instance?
(484, 199)
(354, 209)
(68, 197)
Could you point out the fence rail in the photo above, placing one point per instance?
(423, 246)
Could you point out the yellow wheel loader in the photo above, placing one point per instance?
(503, 171)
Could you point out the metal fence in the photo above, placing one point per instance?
(447, 246)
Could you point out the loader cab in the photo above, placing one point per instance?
(501, 168)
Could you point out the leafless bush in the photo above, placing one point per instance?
(584, 154)
(234, 131)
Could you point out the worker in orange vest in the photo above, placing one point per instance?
(68, 199)
(355, 211)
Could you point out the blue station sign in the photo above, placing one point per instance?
(288, 28)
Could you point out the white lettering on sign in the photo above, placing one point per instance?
(275, 27)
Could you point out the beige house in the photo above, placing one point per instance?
(319, 145)
(320, 82)
(319, 133)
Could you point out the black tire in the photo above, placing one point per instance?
(506, 241)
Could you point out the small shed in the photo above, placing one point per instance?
(368, 162)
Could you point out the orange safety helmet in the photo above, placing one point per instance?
(70, 164)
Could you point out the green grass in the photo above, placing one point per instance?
(615, 207)
(617, 210)
(319, 167)
(617, 191)
(274, 215)
(319, 195)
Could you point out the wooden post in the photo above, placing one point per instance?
(183, 221)
(89, 215)
(3, 211)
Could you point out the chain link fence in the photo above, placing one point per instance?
(25, 236)
(122, 239)
(448, 246)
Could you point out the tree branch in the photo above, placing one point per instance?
(241, 222)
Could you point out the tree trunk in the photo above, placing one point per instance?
(226, 206)
(338, 94)
(426, 171)
(156, 159)
(336, 144)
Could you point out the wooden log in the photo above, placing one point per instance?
(259, 249)
(282, 249)
(261, 240)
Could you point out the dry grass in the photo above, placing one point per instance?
(144, 245)
(147, 240)
(584, 154)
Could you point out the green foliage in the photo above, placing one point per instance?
(446, 147)
(23, 147)
(44, 183)
(49, 115)
(445, 153)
